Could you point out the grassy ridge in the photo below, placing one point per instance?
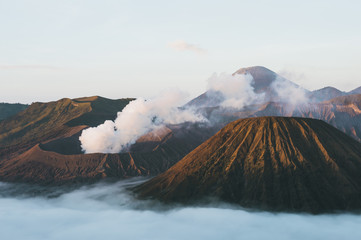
(10, 109)
(43, 121)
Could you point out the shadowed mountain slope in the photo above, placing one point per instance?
(42, 122)
(10, 109)
(61, 161)
(273, 163)
(355, 91)
(41, 144)
(350, 100)
(325, 94)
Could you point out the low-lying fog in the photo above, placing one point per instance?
(108, 211)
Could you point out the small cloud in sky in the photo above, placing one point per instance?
(181, 45)
(34, 66)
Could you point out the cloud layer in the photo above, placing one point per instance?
(107, 211)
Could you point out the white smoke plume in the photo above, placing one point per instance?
(137, 118)
(141, 116)
(288, 92)
(237, 90)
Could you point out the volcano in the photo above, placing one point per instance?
(262, 77)
(41, 144)
(271, 163)
(264, 81)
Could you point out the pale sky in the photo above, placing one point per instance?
(50, 49)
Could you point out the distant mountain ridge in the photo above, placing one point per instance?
(263, 78)
(355, 91)
(327, 93)
(10, 109)
(343, 112)
(318, 104)
(263, 82)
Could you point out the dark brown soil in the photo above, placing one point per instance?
(273, 163)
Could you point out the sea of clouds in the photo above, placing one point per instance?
(108, 211)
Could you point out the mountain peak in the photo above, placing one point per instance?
(262, 77)
(325, 94)
(273, 163)
(253, 69)
(356, 91)
(87, 99)
(328, 88)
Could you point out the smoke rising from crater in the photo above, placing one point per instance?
(137, 118)
(141, 116)
(288, 92)
(236, 90)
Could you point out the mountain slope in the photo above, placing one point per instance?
(264, 82)
(325, 94)
(61, 161)
(42, 122)
(355, 91)
(351, 100)
(273, 86)
(262, 77)
(344, 113)
(41, 144)
(9, 109)
(272, 163)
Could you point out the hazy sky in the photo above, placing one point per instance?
(54, 49)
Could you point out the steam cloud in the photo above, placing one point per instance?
(288, 92)
(107, 211)
(141, 116)
(137, 118)
(236, 90)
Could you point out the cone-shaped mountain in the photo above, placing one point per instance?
(273, 163)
